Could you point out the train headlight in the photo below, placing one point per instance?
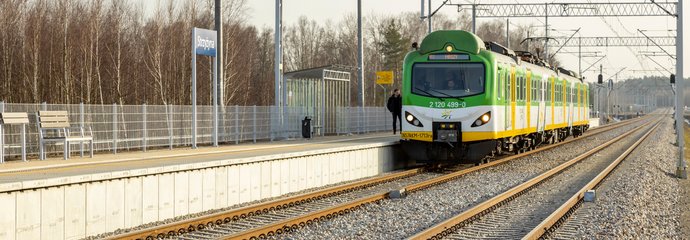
(486, 117)
(483, 119)
(411, 119)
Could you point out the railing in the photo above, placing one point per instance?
(139, 127)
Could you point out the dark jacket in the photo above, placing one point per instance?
(394, 104)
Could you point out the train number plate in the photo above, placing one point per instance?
(447, 104)
(421, 136)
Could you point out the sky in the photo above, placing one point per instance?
(262, 14)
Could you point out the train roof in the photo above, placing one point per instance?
(460, 40)
(471, 43)
(534, 67)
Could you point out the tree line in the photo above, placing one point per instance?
(112, 51)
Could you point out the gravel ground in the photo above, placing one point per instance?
(640, 199)
(400, 218)
(516, 218)
(685, 204)
(685, 185)
(194, 215)
(286, 213)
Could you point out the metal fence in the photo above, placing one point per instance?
(138, 127)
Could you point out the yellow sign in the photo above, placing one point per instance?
(421, 136)
(384, 77)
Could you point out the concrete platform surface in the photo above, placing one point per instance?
(52, 168)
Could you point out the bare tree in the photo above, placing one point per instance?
(10, 18)
(35, 23)
(64, 7)
(154, 49)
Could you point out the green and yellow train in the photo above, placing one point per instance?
(465, 100)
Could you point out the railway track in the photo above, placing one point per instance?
(536, 207)
(235, 215)
(285, 215)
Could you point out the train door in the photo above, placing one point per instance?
(541, 119)
(508, 76)
(512, 93)
(528, 98)
(505, 88)
(551, 91)
(571, 109)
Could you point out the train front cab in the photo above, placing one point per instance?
(445, 91)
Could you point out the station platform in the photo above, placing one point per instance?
(55, 167)
(82, 197)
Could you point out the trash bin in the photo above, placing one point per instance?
(306, 127)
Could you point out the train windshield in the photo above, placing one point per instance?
(448, 80)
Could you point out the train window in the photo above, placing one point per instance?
(509, 91)
(517, 88)
(534, 89)
(456, 79)
(537, 89)
(552, 91)
(500, 83)
(522, 86)
(548, 90)
(518, 85)
(558, 92)
(531, 89)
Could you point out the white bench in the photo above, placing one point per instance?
(54, 126)
(13, 118)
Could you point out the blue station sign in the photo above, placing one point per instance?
(204, 42)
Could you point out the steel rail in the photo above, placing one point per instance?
(320, 215)
(248, 211)
(553, 221)
(451, 225)
(202, 222)
(445, 178)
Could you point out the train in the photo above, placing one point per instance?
(468, 101)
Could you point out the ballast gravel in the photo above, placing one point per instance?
(401, 218)
(209, 212)
(641, 199)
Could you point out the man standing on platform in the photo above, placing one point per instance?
(395, 107)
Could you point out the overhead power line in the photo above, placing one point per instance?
(616, 41)
(621, 9)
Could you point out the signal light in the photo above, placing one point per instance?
(673, 78)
